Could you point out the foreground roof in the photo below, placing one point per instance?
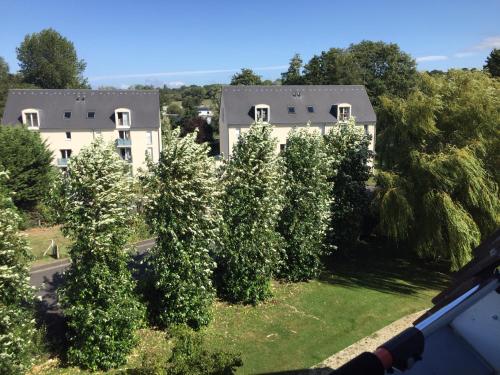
(51, 104)
(238, 102)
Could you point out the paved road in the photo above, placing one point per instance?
(49, 276)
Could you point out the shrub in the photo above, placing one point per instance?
(251, 205)
(183, 211)
(17, 328)
(304, 218)
(97, 295)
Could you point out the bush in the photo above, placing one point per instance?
(97, 294)
(17, 328)
(182, 208)
(251, 205)
(304, 218)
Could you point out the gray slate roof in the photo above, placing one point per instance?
(143, 104)
(238, 102)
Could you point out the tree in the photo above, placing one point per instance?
(493, 63)
(49, 60)
(4, 83)
(246, 77)
(304, 218)
(175, 108)
(347, 148)
(294, 74)
(333, 67)
(97, 296)
(439, 156)
(183, 211)
(251, 204)
(17, 328)
(28, 160)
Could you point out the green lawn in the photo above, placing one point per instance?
(39, 241)
(307, 322)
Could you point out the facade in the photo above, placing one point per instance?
(288, 107)
(70, 119)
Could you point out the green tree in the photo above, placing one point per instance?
(347, 148)
(438, 195)
(246, 77)
(493, 63)
(49, 60)
(97, 296)
(182, 210)
(251, 205)
(333, 67)
(17, 328)
(304, 218)
(4, 83)
(28, 160)
(293, 76)
(175, 108)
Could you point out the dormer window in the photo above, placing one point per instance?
(31, 118)
(344, 112)
(262, 113)
(122, 117)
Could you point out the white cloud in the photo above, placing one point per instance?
(488, 43)
(464, 54)
(182, 73)
(176, 84)
(431, 58)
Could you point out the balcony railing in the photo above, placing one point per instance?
(62, 162)
(120, 142)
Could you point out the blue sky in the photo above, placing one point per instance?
(200, 42)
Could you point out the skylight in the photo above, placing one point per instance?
(310, 109)
(291, 110)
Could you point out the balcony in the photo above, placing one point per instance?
(62, 162)
(120, 142)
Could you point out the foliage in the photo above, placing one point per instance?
(204, 132)
(97, 295)
(175, 108)
(493, 63)
(347, 147)
(293, 76)
(246, 77)
(28, 160)
(304, 218)
(251, 204)
(49, 60)
(182, 209)
(17, 328)
(439, 183)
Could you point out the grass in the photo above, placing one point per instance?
(305, 323)
(39, 241)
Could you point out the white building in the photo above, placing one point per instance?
(70, 119)
(288, 107)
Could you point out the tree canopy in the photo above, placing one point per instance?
(439, 156)
(246, 77)
(28, 160)
(493, 63)
(293, 76)
(49, 60)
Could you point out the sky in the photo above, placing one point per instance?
(201, 42)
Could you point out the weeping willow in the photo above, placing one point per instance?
(438, 192)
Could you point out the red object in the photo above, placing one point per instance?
(384, 356)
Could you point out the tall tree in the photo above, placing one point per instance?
(4, 83)
(438, 195)
(182, 209)
(293, 76)
(28, 160)
(97, 296)
(17, 328)
(246, 77)
(347, 148)
(493, 63)
(49, 60)
(304, 218)
(333, 67)
(251, 204)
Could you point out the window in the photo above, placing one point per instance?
(65, 154)
(91, 114)
(366, 130)
(67, 115)
(149, 137)
(149, 152)
(124, 134)
(126, 154)
(68, 136)
(291, 110)
(122, 117)
(282, 147)
(310, 109)
(31, 118)
(262, 113)
(344, 112)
